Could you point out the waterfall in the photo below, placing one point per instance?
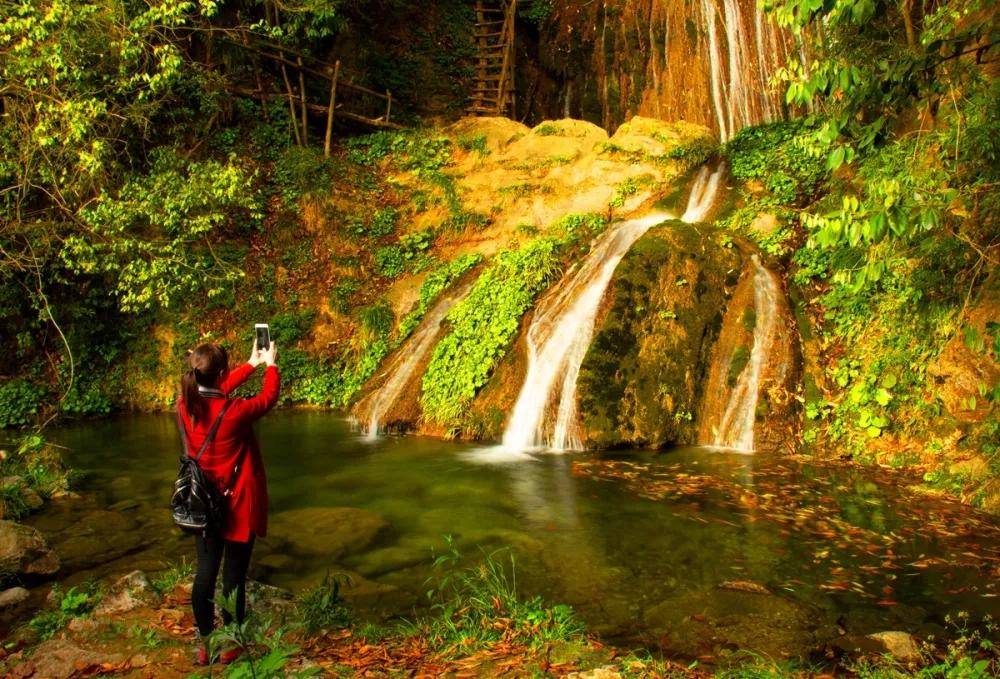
(703, 192)
(563, 326)
(736, 428)
(401, 371)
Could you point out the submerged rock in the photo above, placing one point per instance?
(23, 551)
(641, 380)
(700, 622)
(329, 531)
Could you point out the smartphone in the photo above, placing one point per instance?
(263, 335)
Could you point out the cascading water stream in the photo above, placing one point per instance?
(563, 326)
(736, 428)
(417, 349)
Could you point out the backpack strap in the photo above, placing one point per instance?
(211, 432)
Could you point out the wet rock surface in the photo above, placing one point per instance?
(13, 597)
(641, 380)
(330, 531)
(23, 551)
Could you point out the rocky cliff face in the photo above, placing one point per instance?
(704, 61)
(641, 381)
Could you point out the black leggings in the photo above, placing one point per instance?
(234, 577)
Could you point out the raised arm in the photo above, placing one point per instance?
(257, 406)
(236, 377)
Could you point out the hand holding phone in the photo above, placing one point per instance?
(263, 334)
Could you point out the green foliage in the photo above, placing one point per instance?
(475, 143)
(437, 281)
(151, 237)
(574, 227)
(480, 605)
(778, 156)
(73, 603)
(342, 293)
(301, 171)
(378, 319)
(31, 466)
(20, 402)
(289, 327)
(166, 581)
(390, 261)
(483, 325)
(266, 649)
(535, 11)
(628, 188)
(322, 607)
(877, 66)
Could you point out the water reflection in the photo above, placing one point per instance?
(640, 543)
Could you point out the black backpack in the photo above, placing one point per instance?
(197, 505)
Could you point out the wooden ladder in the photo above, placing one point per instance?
(493, 92)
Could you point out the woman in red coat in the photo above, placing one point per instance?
(233, 463)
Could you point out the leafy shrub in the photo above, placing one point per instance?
(159, 219)
(390, 261)
(20, 401)
(482, 327)
(575, 226)
(383, 222)
(73, 603)
(288, 327)
(778, 156)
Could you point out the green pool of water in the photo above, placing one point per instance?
(673, 549)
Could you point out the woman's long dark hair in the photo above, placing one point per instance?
(206, 364)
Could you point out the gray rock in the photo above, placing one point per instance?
(23, 551)
(128, 593)
(13, 597)
(328, 531)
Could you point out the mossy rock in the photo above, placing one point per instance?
(641, 379)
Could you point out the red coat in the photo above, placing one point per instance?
(235, 438)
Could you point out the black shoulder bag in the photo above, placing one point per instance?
(197, 505)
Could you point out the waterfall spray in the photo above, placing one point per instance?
(409, 359)
(736, 428)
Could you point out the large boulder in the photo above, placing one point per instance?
(333, 532)
(23, 551)
(641, 380)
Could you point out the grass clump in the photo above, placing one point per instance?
(483, 325)
(479, 605)
(322, 607)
